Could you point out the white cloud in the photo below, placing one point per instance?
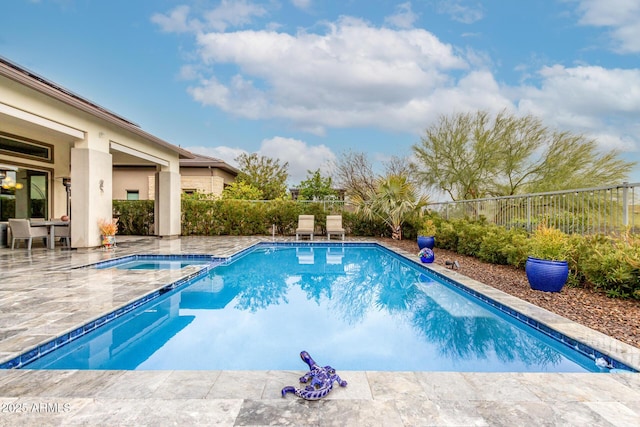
(460, 12)
(621, 16)
(300, 155)
(403, 18)
(234, 13)
(229, 13)
(224, 153)
(356, 75)
(301, 4)
(353, 74)
(600, 102)
(176, 21)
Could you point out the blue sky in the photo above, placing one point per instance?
(306, 80)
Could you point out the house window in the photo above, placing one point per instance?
(133, 194)
(189, 191)
(26, 148)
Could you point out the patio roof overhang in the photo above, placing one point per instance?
(32, 80)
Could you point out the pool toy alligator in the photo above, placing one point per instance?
(319, 380)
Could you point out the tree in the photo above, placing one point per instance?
(474, 155)
(240, 190)
(264, 173)
(393, 200)
(353, 173)
(396, 165)
(316, 187)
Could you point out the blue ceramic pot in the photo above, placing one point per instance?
(426, 242)
(545, 275)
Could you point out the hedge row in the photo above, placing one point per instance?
(610, 264)
(240, 217)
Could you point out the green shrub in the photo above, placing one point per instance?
(357, 225)
(447, 237)
(612, 265)
(470, 234)
(550, 244)
(135, 217)
(517, 250)
(497, 245)
(284, 215)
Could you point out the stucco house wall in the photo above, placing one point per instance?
(202, 173)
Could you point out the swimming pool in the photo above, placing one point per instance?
(355, 307)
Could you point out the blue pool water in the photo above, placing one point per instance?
(355, 308)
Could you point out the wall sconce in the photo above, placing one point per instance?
(101, 184)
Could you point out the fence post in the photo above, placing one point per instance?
(529, 214)
(625, 204)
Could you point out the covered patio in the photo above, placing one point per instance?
(57, 153)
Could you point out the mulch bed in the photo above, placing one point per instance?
(616, 318)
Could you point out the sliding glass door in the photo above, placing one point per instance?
(24, 193)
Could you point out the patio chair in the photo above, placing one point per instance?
(306, 226)
(64, 232)
(21, 229)
(334, 226)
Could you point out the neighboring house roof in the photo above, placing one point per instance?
(200, 161)
(36, 82)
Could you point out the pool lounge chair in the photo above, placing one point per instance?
(334, 226)
(306, 226)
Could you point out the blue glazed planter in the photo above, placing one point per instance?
(545, 275)
(426, 242)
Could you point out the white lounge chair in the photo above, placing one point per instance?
(334, 226)
(306, 226)
(21, 230)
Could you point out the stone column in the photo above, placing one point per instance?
(91, 195)
(167, 204)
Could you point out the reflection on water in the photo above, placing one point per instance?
(353, 308)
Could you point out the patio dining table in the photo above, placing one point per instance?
(51, 226)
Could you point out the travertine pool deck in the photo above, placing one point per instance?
(41, 297)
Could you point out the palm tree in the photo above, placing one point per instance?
(393, 200)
